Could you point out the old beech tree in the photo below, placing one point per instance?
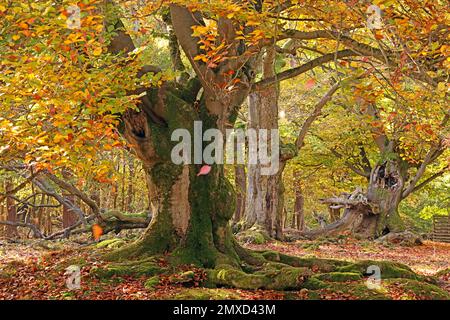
(223, 42)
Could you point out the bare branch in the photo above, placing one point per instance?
(427, 160)
(313, 116)
(36, 231)
(428, 180)
(75, 191)
(288, 74)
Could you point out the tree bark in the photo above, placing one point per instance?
(69, 217)
(264, 202)
(130, 189)
(298, 219)
(335, 213)
(190, 212)
(386, 185)
(240, 187)
(374, 213)
(11, 231)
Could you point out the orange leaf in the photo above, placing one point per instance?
(310, 84)
(97, 232)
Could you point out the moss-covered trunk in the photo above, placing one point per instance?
(190, 212)
(191, 216)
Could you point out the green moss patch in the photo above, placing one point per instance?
(339, 276)
(111, 243)
(151, 282)
(255, 235)
(206, 294)
(146, 267)
(388, 269)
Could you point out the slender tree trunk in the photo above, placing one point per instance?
(240, 187)
(335, 213)
(124, 174)
(69, 217)
(2, 217)
(130, 189)
(298, 219)
(11, 231)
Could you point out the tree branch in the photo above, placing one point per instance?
(427, 160)
(351, 166)
(288, 74)
(313, 116)
(428, 180)
(183, 21)
(384, 56)
(36, 231)
(75, 191)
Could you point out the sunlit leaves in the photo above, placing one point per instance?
(61, 94)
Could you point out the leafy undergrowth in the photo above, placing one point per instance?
(36, 271)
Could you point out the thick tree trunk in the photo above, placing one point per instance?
(386, 185)
(190, 212)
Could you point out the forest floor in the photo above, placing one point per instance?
(37, 270)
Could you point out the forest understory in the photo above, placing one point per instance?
(36, 269)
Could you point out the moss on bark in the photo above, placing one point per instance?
(148, 267)
(283, 278)
(388, 269)
(339, 276)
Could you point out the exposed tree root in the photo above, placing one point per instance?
(270, 270)
(406, 238)
(148, 267)
(255, 234)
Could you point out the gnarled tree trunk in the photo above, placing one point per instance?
(384, 193)
(374, 213)
(190, 212)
